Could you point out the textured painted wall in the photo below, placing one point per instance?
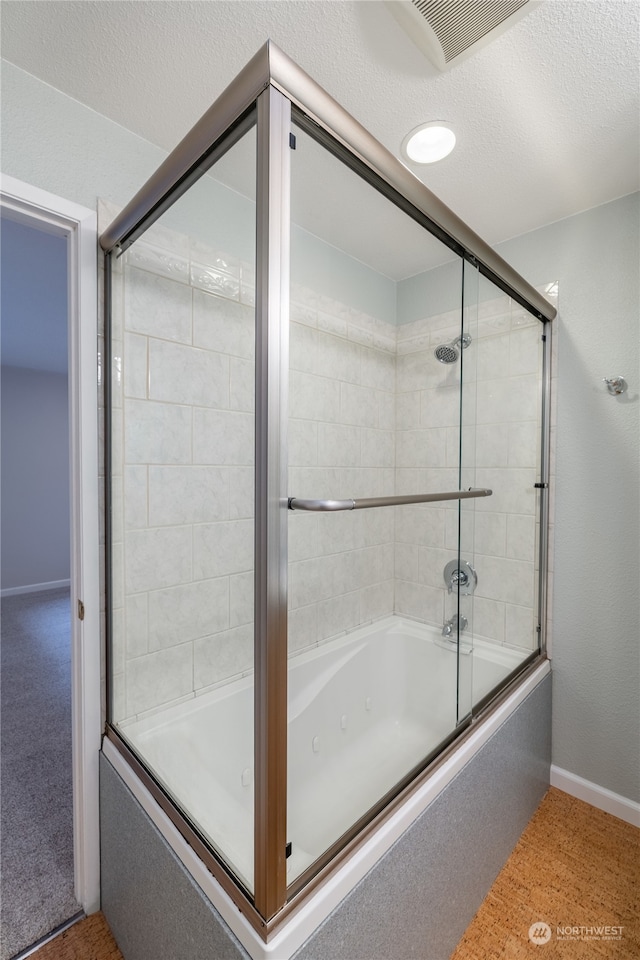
(596, 605)
(35, 477)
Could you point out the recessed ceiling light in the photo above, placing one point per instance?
(429, 142)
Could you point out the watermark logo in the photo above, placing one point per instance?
(539, 933)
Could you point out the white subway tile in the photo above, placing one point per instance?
(521, 537)
(136, 625)
(513, 490)
(182, 374)
(440, 407)
(431, 564)
(493, 401)
(523, 443)
(338, 614)
(135, 365)
(222, 656)
(524, 350)
(157, 558)
(242, 385)
(378, 369)
(223, 437)
(492, 444)
(303, 348)
(117, 658)
(314, 398)
(358, 405)
(303, 443)
(223, 325)
(338, 445)
(156, 432)
(377, 447)
(189, 494)
(507, 580)
(377, 601)
(490, 534)
(386, 410)
(157, 307)
(406, 561)
(241, 493)
(302, 627)
(312, 580)
(492, 357)
(222, 548)
(337, 358)
(419, 601)
(520, 627)
(117, 575)
(302, 536)
(241, 605)
(488, 619)
(421, 448)
(183, 613)
(135, 497)
(408, 410)
(159, 678)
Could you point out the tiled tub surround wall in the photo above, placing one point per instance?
(341, 445)
(183, 456)
(183, 452)
(372, 413)
(501, 411)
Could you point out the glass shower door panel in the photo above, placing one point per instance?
(372, 685)
(183, 502)
(507, 459)
(461, 589)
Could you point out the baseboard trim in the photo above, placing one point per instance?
(600, 797)
(35, 588)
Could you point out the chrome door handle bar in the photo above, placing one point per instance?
(323, 506)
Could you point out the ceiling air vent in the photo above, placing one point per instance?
(448, 31)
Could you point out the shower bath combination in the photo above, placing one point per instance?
(287, 469)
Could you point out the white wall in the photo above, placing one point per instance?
(55, 143)
(35, 477)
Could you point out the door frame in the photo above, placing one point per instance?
(44, 211)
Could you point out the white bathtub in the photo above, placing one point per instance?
(364, 709)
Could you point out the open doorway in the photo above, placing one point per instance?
(37, 884)
(49, 576)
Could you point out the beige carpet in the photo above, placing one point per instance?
(573, 867)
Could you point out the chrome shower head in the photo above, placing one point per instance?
(448, 352)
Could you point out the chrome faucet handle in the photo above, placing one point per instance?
(460, 575)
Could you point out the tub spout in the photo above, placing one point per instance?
(450, 627)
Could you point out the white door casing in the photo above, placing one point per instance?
(44, 211)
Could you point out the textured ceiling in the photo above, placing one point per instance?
(547, 116)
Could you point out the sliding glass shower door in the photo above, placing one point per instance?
(326, 483)
(376, 685)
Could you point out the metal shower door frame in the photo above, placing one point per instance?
(275, 87)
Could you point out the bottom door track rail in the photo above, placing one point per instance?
(324, 506)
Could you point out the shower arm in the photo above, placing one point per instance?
(324, 506)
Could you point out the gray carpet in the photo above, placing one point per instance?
(36, 819)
